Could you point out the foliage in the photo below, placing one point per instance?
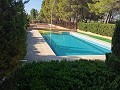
(33, 15)
(41, 16)
(116, 40)
(12, 34)
(98, 28)
(101, 6)
(28, 20)
(65, 10)
(67, 75)
(113, 61)
(105, 8)
(45, 10)
(44, 31)
(79, 10)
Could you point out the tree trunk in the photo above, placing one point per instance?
(70, 24)
(76, 20)
(74, 23)
(66, 25)
(105, 21)
(108, 16)
(110, 13)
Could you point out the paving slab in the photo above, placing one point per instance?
(38, 49)
(37, 46)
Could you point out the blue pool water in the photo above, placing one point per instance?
(68, 45)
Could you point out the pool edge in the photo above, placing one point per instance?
(74, 57)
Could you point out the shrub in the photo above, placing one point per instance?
(98, 28)
(12, 35)
(116, 40)
(67, 75)
(113, 59)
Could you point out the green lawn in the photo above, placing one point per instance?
(93, 36)
(97, 37)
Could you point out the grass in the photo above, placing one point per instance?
(44, 31)
(97, 37)
(93, 36)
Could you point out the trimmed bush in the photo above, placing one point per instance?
(13, 22)
(67, 75)
(116, 40)
(113, 61)
(98, 28)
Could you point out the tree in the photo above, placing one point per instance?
(33, 15)
(46, 10)
(41, 16)
(13, 23)
(104, 7)
(74, 10)
(80, 10)
(65, 10)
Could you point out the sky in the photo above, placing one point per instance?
(36, 4)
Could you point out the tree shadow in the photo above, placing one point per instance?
(34, 55)
(32, 41)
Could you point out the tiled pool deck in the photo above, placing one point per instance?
(38, 49)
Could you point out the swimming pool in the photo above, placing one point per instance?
(66, 44)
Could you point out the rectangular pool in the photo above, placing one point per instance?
(65, 44)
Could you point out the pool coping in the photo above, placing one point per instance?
(95, 41)
(37, 47)
(45, 53)
(101, 57)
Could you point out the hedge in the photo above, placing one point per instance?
(113, 59)
(66, 75)
(13, 22)
(116, 40)
(98, 28)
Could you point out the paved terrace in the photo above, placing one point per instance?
(38, 49)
